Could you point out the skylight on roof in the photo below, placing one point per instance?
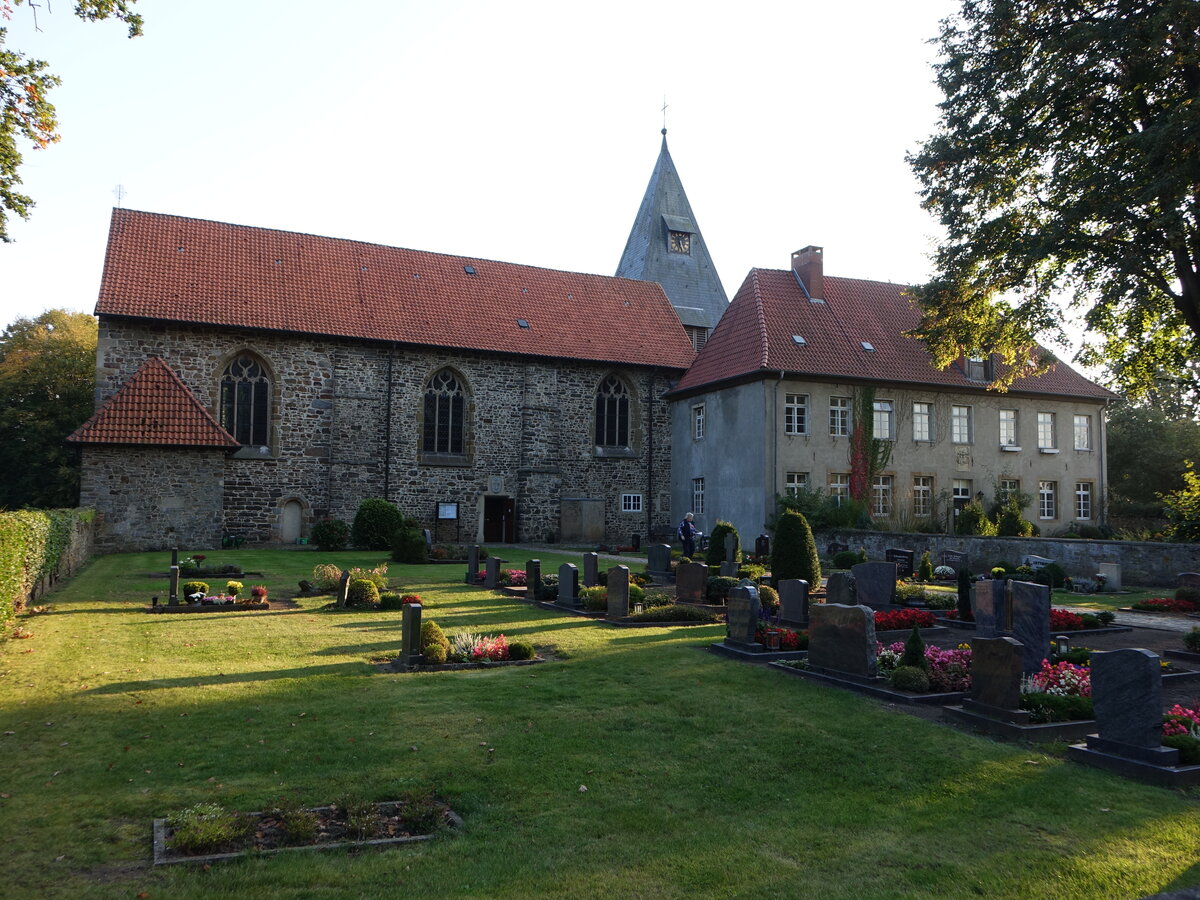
(868, 346)
(522, 323)
(799, 341)
(470, 270)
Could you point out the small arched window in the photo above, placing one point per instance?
(445, 414)
(246, 401)
(612, 413)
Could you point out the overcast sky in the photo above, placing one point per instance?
(517, 131)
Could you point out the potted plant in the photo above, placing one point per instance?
(259, 593)
(233, 588)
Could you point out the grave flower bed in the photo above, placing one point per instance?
(1181, 730)
(789, 639)
(948, 670)
(897, 619)
(1164, 604)
(513, 577)
(1059, 692)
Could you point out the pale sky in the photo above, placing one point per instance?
(521, 131)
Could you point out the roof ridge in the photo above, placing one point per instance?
(760, 313)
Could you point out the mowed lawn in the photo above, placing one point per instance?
(635, 764)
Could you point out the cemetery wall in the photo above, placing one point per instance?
(1143, 563)
(41, 548)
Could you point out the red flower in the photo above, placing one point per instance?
(1065, 620)
(896, 619)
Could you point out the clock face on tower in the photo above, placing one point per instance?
(681, 242)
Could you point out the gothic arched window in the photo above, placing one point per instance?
(445, 414)
(612, 413)
(246, 401)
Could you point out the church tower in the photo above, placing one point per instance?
(665, 245)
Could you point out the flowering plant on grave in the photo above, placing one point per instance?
(513, 577)
(1164, 604)
(1182, 720)
(233, 587)
(1065, 620)
(1063, 679)
(259, 592)
(789, 639)
(411, 598)
(896, 619)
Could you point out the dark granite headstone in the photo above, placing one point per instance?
(996, 668)
(568, 585)
(591, 566)
(174, 556)
(743, 617)
(729, 568)
(762, 546)
(987, 604)
(842, 639)
(658, 560)
(1031, 621)
(173, 599)
(839, 588)
(1127, 698)
(618, 592)
(472, 563)
(343, 590)
(410, 635)
(1187, 579)
(691, 582)
(533, 579)
(793, 601)
(955, 559)
(875, 583)
(905, 561)
(491, 578)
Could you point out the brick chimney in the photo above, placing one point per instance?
(809, 266)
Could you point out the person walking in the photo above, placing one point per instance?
(687, 534)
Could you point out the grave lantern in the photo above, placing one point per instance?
(1064, 644)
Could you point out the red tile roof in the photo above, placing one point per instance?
(755, 337)
(212, 273)
(154, 408)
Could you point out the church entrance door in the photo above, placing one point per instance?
(500, 520)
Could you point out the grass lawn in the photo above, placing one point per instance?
(704, 777)
(1109, 601)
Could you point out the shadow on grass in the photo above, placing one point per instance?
(149, 684)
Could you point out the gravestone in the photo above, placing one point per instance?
(173, 599)
(691, 582)
(410, 635)
(905, 561)
(842, 639)
(428, 539)
(762, 546)
(743, 617)
(491, 579)
(955, 559)
(996, 668)
(472, 563)
(988, 607)
(835, 548)
(1031, 622)
(174, 556)
(1187, 579)
(568, 585)
(591, 566)
(533, 579)
(658, 561)
(840, 589)
(793, 601)
(1037, 563)
(729, 568)
(1112, 575)
(618, 592)
(1127, 699)
(875, 583)
(343, 590)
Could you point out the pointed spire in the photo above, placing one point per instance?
(665, 245)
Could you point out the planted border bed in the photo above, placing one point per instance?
(397, 666)
(874, 688)
(209, 607)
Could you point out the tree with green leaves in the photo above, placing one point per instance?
(1148, 449)
(47, 390)
(1065, 162)
(25, 108)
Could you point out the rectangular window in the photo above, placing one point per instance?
(1008, 487)
(794, 482)
(960, 424)
(1046, 431)
(795, 414)
(1083, 499)
(1047, 500)
(1008, 428)
(881, 495)
(922, 496)
(922, 421)
(962, 489)
(698, 496)
(698, 422)
(1083, 432)
(839, 487)
(631, 503)
(979, 368)
(884, 420)
(839, 416)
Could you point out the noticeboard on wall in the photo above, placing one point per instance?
(447, 511)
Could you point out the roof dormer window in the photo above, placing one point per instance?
(979, 368)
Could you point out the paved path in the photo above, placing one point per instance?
(1157, 621)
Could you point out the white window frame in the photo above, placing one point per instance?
(1008, 428)
(922, 494)
(961, 489)
(1009, 486)
(1082, 428)
(922, 421)
(884, 414)
(839, 487)
(631, 503)
(794, 482)
(1047, 500)
(883, 488)
(795, 414)
(698, 423)
(960, 425)
(1047, 440)
(1083, 500)
(839, 416)
(698, 496)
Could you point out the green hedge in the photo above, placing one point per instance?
(32, 545)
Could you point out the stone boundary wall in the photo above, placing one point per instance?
(1143, 563)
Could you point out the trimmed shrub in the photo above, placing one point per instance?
(914, 652)
(719, 587)
(769, 598)
(1052, 574)
(362, 593)
(751, 571)
(972, 519)
(594, 599)
(673, 612)
(910, 678)
(794, 552)
(1106, 617)
(433, 636)
(193, 587)
(1188, 594)
(909, 593)
(375, 523)
(408, 545)
(925, 567)
(1191, 640)
(845, 559)
(1057, 708)
(1011, 521)
(390, 600)
(331, 534)
(1188, 747)
(433, 655)
(715, 555)
(521, 650)
(33, 543)
(940, 600)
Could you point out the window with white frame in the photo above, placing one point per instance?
(885, 420)
(1009, 487)
(698, 496)
(794, 482)
(839, 416)
(839, 487)
(631, 503)
(881, 495)
(1083, 499)
(960, 424)
(795, 414)
(922, 419)
(698, 422)
(1047, 500)
(922, 496)
(1008, 428)
(1083, 432)
(962, 489)
(1046, 431)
